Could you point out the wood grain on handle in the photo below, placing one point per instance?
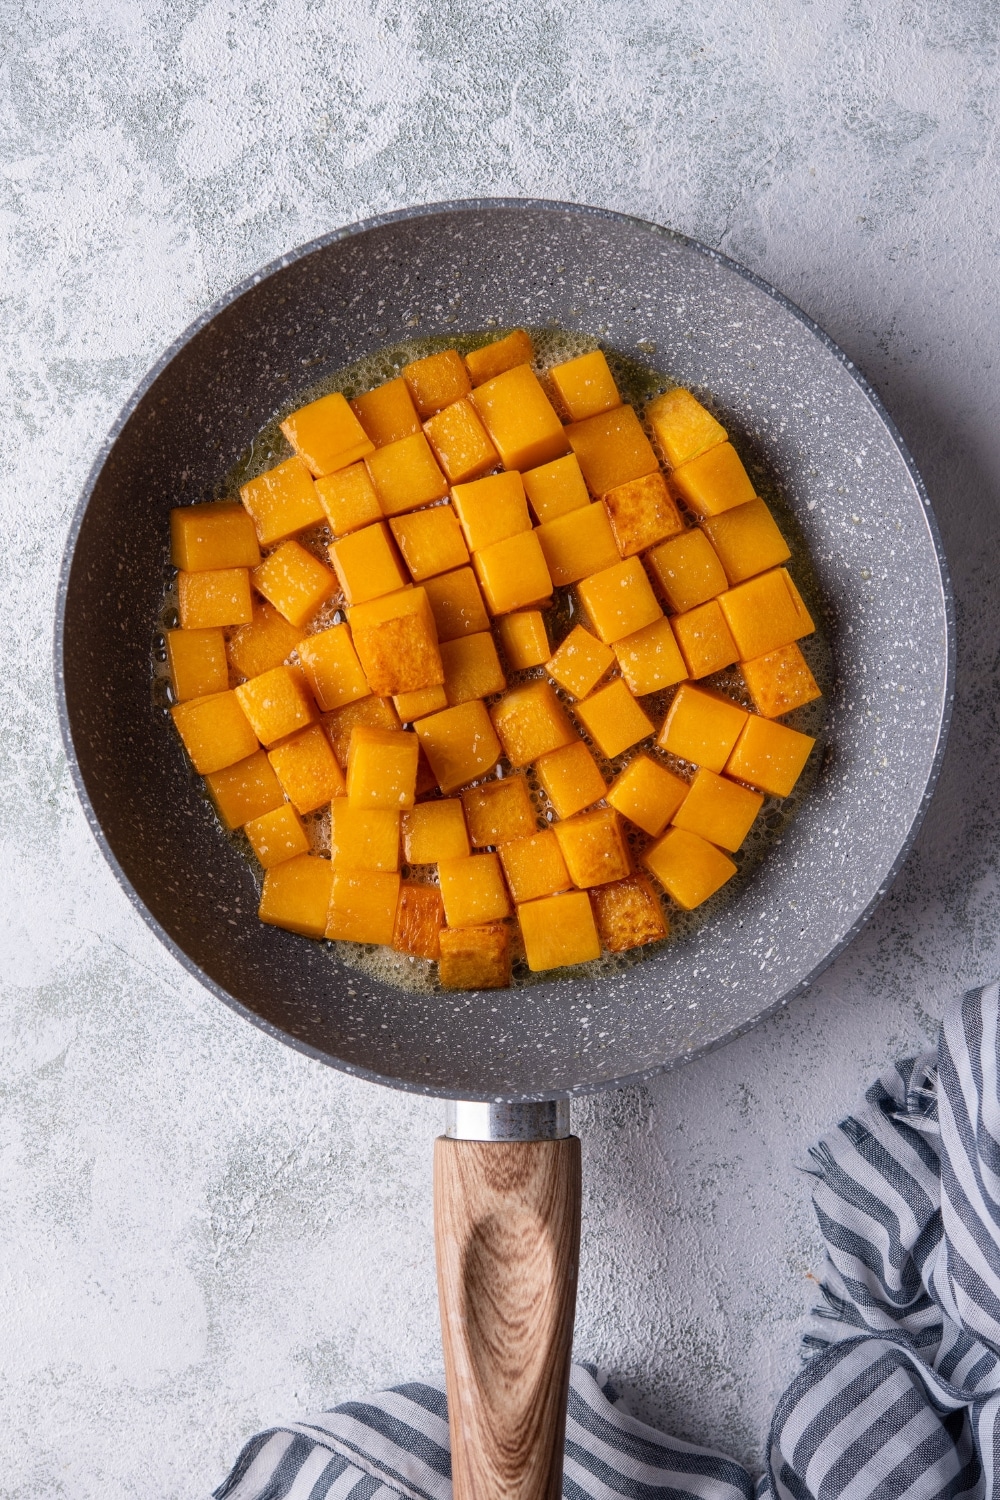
(507, 1228)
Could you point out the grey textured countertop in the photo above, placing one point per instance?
(203, 1231)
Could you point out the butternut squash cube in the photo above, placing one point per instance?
(594, 847)
(419, 919)
(491, 509)
(701, 727)
(456, 604)
(683, 428)
(612, 449)
(619, 600)
(687, 570)
(461, 443)
(433, 831)
(214, 730)
(556, 488)
(580, 662)
(197, 660)
(571, 778)
(705, 639)
(688, 867)
(497, 811)
(473, 890)
(769, 756)
(613, 719)
(746, 540)
(348, 499)
(524, 639)
(471, 668)
(502, 354)
(218, 597)
(531, 721)
(399, 652)
(405, 601)
(332, 669)
(212, 536)
(475, 958)
(367, 564)
(436, 381)
(718, 810)
(363, 906)
(381, 768)
(387, 413)
(276, 703)
(406, 475)
(650, 658)
(460, 744)
(420, 703)
(780, 681)
(307, 769)
(277, 836)
(431, 541)
(520, 419)
(558, 931)
(765, 613)
(295, 582)
(266, 642)
(585, 386)
(282, 501)
(534, 866)
(512, 573)
(326, 434)
(578, 544)
(378, 712)
(628, 914)
(363, 838)
(713, 482)
(642, 512)
(245, 790)
(296, 895)
(647, 794)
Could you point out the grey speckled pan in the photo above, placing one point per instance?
(778, 383)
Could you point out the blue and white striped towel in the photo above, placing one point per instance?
(901, 1395)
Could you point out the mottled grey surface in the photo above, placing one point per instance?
(203, 1231)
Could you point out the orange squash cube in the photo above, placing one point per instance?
(332, 669)
(497, 811)
(593, 847)
(456, 604)
(769, 756)
(512, 573)
(197, 660)
(531, 721)
(688, 867)
(295, 582)
(718, 810)
(475, 958)
(367, 564)
(642, 512)
(471, 668)
(378, 712)
(307, 769)
(282, 501)
(212, 536)
(214, 730)
(473, 890)
(420, 703)
(436, 381)
(578, 544)
(628, 914)
(218, 597)
(713, 482)
(397, 644)
(780, 681)
(534, 866)
(461, 443)
(491, 509)
(650, 658)
(387, 413)
(296, 895)
(580, 662)
(524, 639)
(266, 642)
(647, 794)
(571, 778)
(682, 426)
(502, 354)
(556, 488)
(431, 541)
(381, 768)
(585, 386)
(460, 744)
(363, 838)
(277, 836)
(520, 419)
(613, 719)
(406, 475)
(245, 790)
(701, 727)
(348, 499)
(276, 703)
(405, 601)
(433, 831)
(419, 919)
(363, 906)
(746, 540)
(558, 931)
(765, 613)
(687, 570)
(612, 449)
(704, 639)
(619, 600)
(326, 434)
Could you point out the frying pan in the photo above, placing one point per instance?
(507, 1172)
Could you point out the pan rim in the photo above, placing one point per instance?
(207, 316)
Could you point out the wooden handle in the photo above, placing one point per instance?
(507, 1229)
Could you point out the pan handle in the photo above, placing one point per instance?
(507, 1231)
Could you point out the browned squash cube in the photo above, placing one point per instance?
(245, 790)
(780, 681)
(580, 662)
(282, 501)
(214, 599)
(497, 811)
(502, 354)
(612, 449)
(524, 638)
(295, 582)
(461, 443)
(746, 540)
(387, 413)
(642, 512)
(688, 867)
(534, 866)
(687, 570)
(571, 778)
(363, 906)
(296, 895)
(585, 386)
(349, 500)
(473, 890)
(471, 668)
(436, 381)
(198, 664)
(578, 544)
(718, 809)
(475, 958)
(276, 703)
(682, 426)
(460, 744)
(406, 475)
(456, 604)
(556, 488)
(628, 914)
(558, 931)
(491, 509)
(212, 536)
(594, 847)
(266, 642)
(326, 434)
(530, 721)
(520, 419)
(331, 665)
(714, 482)
(307, 769)
(431, 541)
(613, 719)
(650, 658)
(419, 919)
(705, 639)
(378, 712)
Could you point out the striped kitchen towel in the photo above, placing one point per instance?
(901, 1394)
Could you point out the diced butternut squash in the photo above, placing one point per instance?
(406, 475)
(436, 381)
(471, 668)
(689, 868)
(718, 809)
(497, 811)
(580, 662)
(687, 570)
(295, 582)
(381, 768)
(326, 434)
(296, 895)
(378, 712)
(363, 838)
(650, 658)
(571, 778)
(212, 536)
(556, 488)
(612, 449)
(387, 413)
(214, 730)
(420, 703)
(619, 600)
(461, 443)
(277, 836)
(460, 743)
(713, 482)
(746, 540)
(431, 541)
(578, 544)
(475, 958)
(419, 919)
(701, 727)
(276, 703)
(512, 573)
(647, 794)
(780, 681)
(531, 721)
(524, 639)
(491, 509)
(367, 564)
(520, 419)
(307, 769)
(628, 914)
(683, 428)
(405, 601)
(245, 790)
(585, 386)
(502, 354)
(266, 642)
(397, 644)
(282, 501)
(433, 831)
(473, 890)
(593, 846)
(456, 604)
(765, 613)
(363, 906)
(558, 931)
(197, 660)
(348, 499)
(769, 756)
(613, 719)
(642, 512)
(332, 669)
(534, 866)
(214, 599)
(705, 639)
